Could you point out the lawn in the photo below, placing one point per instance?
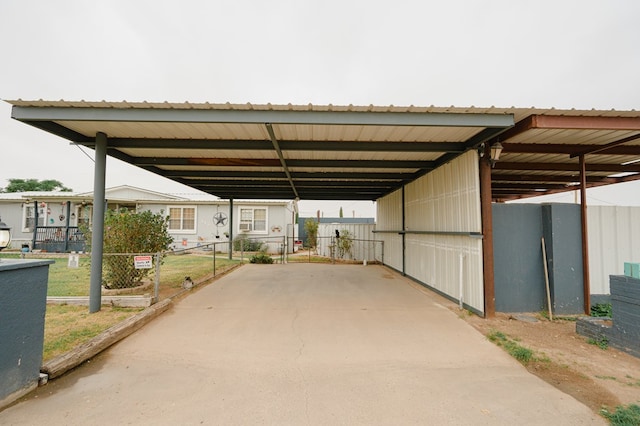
(65, 281)
(67, 326)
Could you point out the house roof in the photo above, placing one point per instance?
(346, 152)
(123, 193)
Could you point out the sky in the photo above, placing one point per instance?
(550, 53)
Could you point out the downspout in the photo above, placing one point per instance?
(487, 235)
(97, 234)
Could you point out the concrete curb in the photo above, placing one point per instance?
(61, 364)
(120, 301)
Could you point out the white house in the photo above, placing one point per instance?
(50, 221)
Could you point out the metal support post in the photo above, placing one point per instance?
(585, 237)
(156, 287)
(97, 235)
(487, 235)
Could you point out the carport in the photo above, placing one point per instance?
(433, 171)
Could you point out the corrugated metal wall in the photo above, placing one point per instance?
(389, 218)
(444, 201)
(364, 244)
(614, 238)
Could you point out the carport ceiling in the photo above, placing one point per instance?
(334, 153)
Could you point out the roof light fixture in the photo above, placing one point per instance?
(496, 150)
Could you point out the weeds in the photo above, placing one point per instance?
(601, 310)
(623, 415)
(545, 315)
(602, 342)
(519, 352)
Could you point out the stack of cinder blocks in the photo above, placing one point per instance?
(625, 306)
(624, 333)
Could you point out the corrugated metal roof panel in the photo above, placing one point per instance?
(474, 126)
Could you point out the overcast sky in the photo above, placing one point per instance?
(566, 54)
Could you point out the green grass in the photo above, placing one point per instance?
(628, 415)
(602, 342)
(606, 378)
(68, 326)
(65, 281)
(519, 352)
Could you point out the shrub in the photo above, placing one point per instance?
(260, 258)
(242, 242)
(345, 244)
(131, 232)
(311, 228)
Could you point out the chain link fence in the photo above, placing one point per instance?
(148, 276)
(141, 279)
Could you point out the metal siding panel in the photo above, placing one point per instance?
(614, 238)
(389, 218)
(364, 246)
(446, 200)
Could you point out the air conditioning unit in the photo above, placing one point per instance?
(245, 227)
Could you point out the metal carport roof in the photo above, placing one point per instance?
(326, 152)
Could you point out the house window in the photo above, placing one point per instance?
(29, 216)
(253, 219)
(182, 219)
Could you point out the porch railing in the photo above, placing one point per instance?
(58, 239)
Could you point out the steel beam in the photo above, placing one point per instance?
(256, 145)
(601, 149)
(568, 167)
(283, 162)
(275, 117)
(569, 149)
(274, 162)
(215, 174)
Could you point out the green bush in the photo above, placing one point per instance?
(242, 242)
(261, 258)
(131, 232)
(344, 244)
(311, 228)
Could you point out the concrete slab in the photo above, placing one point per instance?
(303, 344)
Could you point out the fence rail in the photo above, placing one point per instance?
(157, 276)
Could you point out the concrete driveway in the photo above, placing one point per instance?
(303, 344)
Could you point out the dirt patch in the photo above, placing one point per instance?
(597, 377)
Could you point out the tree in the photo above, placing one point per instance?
(311, 228)
(341, 215)
(129, 232)
(22, 185)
